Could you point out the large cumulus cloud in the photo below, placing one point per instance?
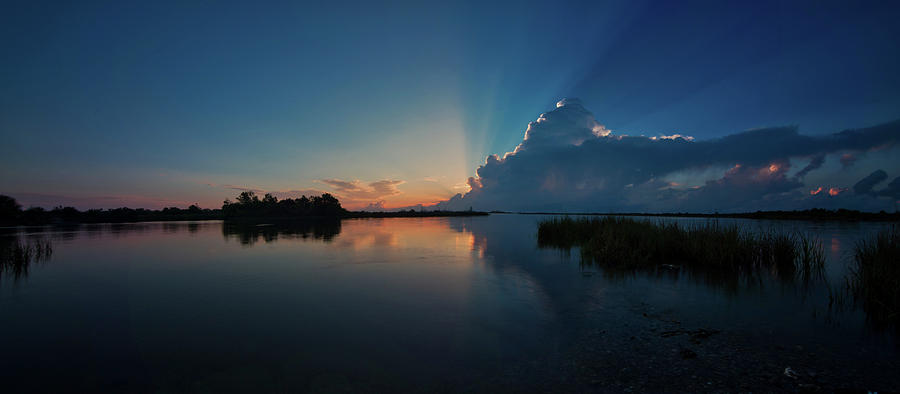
(568, 161)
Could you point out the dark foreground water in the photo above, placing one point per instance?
(413, 304)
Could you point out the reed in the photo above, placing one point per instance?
(16, 255)
(874, 280)
(623, 242)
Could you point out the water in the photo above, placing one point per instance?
(409, 304)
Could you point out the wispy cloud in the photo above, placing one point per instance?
(244, 189)
(358, 191)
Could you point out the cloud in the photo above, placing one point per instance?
(815, 163)
(892, 190)
(847, 159)
(865, 185)
(356, 190)
(243, 188)
(377, 206)
(568, 161)
(296, 193)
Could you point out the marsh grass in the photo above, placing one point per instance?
(874, 280)
(16, 255)
(626, 243)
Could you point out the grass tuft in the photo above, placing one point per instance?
(16, 256)
(875, 275)
(621, 242)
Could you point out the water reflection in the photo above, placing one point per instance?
(729, 281)
(425, 304)
(796, 290)
(249, 234)
(71, 232)
(782, 255)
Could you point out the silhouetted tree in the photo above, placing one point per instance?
(11, 214)
(10, 210)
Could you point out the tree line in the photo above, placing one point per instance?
(247, 205)
(11, 214)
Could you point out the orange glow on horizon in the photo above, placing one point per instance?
(399, 201)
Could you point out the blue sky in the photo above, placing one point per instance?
(155, 104)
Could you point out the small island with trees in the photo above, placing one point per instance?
(246, 208)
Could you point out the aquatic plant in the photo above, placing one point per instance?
(874, 280)
(811, 254)
(16, 256)
(621, 242)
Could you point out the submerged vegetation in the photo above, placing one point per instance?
(619, 242)
(875, 277)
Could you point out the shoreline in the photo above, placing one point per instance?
(259, 220)
(840, 215)
(807, 215)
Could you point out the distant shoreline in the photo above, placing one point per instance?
(247, 209)
(149, 218)
(808, 215)
(411, 214)
(250, 209)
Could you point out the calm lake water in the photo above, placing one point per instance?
(418, 304)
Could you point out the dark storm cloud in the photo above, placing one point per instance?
(569, 161)
(815, 163)
(865, 185)
(892, 190)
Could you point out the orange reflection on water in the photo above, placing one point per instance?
(404, 233)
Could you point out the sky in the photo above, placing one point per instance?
(154, 104)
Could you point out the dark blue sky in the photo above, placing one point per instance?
(152, 104)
